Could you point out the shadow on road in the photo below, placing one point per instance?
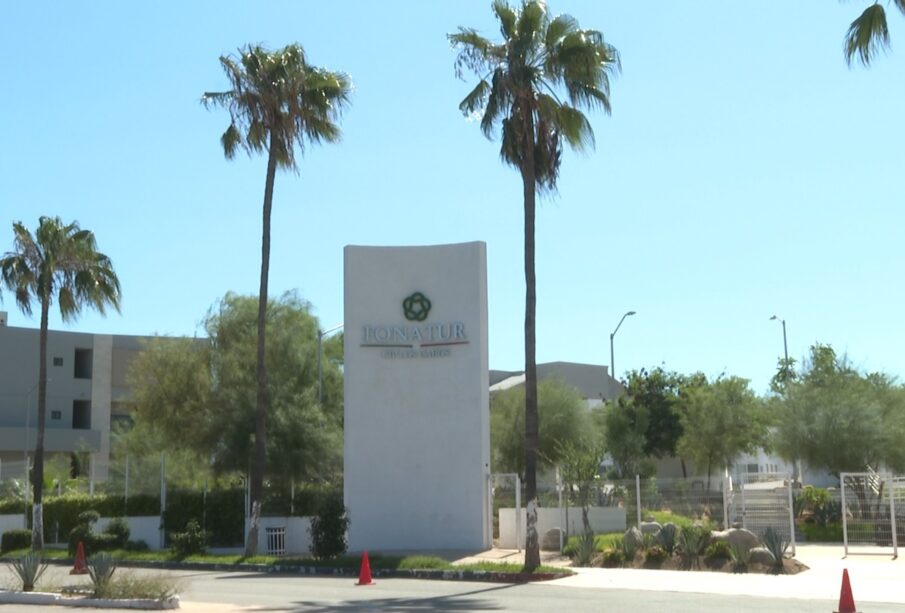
(451, 603)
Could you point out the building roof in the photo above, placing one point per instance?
(591, 380)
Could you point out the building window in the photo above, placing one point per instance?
(81, 414)
(57, 361)
(56, 415)
(83, 359)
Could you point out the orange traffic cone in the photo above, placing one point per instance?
(81, 567)
(846, 600)
(364, 575)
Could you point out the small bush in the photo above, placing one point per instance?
(328, 528)
(29, 569)
(717, 549)
(587, 550)
(776, 544)
(136, 546)
(128, 586)
(119, 529)
(192, 541)
(656, 554)
(692, 542)
(81, 533)
(612, 558)
(15, 539)
(741, 556)
(100, 569)
(89, 518)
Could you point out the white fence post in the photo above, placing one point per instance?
(892, 514)
(638, 497)
(791, 517)
(842, 477)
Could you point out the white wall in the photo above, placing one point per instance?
(12, 522)
(417, 423)
(298, 541)
(144, 528)
(603, 519)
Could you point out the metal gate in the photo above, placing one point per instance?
(869, 512)
(757, 501)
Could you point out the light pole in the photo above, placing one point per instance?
(785, 345)
(612, 335)
(320, 351)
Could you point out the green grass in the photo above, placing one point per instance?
(681, 521)
(602, 542)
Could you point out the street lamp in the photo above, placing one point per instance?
(612, 360)
(785, 345)
(320, 351)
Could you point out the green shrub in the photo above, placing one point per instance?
(328, 528)
(89, 517)
(100, 569)
(692, 542)
(136, 546)
(119, 529)
(740, 554)
(613, 557)
(15, 539)
(776, 544)
(29, 569)
(193, 540)
(814, 533)
(219, 513)
(655, 554)
(717, 549)
(80, 534)
(587, 549)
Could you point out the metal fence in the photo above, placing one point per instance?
(757, 501)
(870, 519)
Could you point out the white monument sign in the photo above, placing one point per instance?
(417, 424)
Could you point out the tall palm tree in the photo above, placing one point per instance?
(59, 263)
(869, 33)
(531, 86)
(276, 103)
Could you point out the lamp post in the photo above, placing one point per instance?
(320, 351)
(785, 345)
(612, 335)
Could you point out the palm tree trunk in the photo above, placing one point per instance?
(37, 529)
(260, 453)
(532, 548)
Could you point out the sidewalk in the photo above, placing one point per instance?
(874, 578)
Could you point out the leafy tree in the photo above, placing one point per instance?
(833, 417)
(564, 421)
(579, 463)
(199, 395)
(626, 425)
(276, 103)
(869, 33)
(721, 420)
(519, 90)
(61, 263)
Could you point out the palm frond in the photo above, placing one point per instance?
(476, 98)
(559, 27)
(575, 128)
(506, 16)
(900, 4)
(867, 35)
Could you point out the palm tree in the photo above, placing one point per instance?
(276, 103)
(60, 262)
(532, 85)
(869, 33)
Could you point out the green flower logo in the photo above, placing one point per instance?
(416, 307)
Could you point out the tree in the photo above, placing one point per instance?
(199, 394)
(869, 33)
(579, 467)
(835, 418)
(564, 421)
(519, 90)
(59, 263)
(721, 420)
(276, 103)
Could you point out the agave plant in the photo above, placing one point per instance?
(740, 554)
(777, 544)
(29, 568)
(587, 549)
(666, 538)
(100, 569)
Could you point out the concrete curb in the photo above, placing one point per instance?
(47, 599)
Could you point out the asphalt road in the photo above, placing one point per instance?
(212, 592)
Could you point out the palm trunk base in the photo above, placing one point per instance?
(532, 547)
(37, 529)
(251, 543)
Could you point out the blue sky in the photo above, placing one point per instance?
(745, 171)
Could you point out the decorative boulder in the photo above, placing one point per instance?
(737, 537)
(650, 527)
(633, 535)
(550, 542)
(762, 555)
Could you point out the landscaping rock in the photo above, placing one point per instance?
(633, 535)
(550, 542)
(737, 537)
(650, 527)
(762, 555)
